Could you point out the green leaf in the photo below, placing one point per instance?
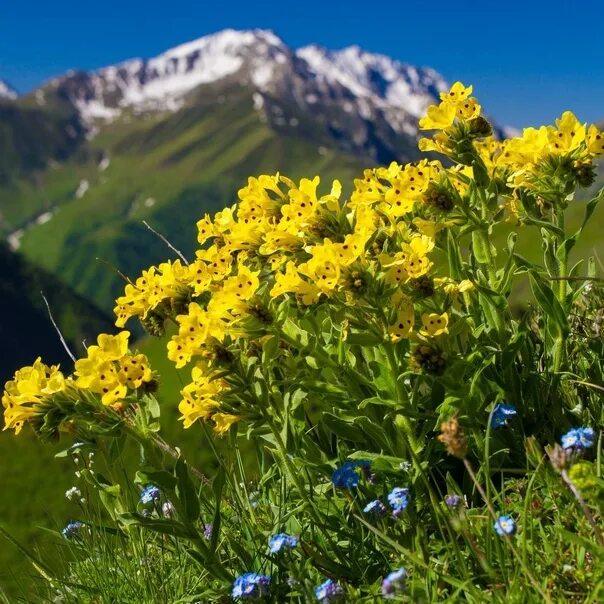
(217, 487)
(358, 338)
(455, 263)
(480, 247)
(165, 480)
(548, 302)
(186, 492)
(343, 428)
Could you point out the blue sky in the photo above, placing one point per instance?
(528, 60)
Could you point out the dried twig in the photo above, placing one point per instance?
(52, 320)
(177, 252)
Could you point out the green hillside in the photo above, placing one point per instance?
(25, 329)
(165, 169)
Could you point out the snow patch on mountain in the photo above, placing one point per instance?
(7, 92)
(161, 83)
(261, 60)
(376, 77)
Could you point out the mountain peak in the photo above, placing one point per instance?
(349, 94)
(162, 82)
(7, 92)
(377, 77)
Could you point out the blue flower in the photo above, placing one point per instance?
(150, 494)
(398, 499)
(505, 525)
(502, 414)
(72, 530)
(578, 438)
(250, 586)
(375, 507)
(208, 529)
(328, 591)
(394, 583)
(348, 474)
(281, 541)
(453, 501)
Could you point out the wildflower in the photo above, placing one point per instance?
(72, 530)
(24, 394)
(208, 529)
(394, 583)
(453, 437)
(375, 507)
(398, 499)
(502, 414)
(250, 586)
(73, 493)
(347, 475)
(223, 422)
(505, 525)
(167, 509)
(282, 541)
(150, 494)
(578, 438)
(434, 324)
(453, 501)
(328, 591)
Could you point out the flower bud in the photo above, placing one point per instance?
(430, 360)
(454, 439)
(480, 127)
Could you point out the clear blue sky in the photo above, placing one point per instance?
(528, 60)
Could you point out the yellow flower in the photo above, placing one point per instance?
(27, 390)
(223, 421)
(434, 324)
(595, 141)
(279, 240)
(439, 143)
(457, 93)
(113, 348)
(405, 321)
(200, 397)
(569, 135)
(206, 229)
(292, 282)
(135, 371)
(233, 296)
(439, 117)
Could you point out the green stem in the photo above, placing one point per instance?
(559, 344)
(507, 538)
(401, 394)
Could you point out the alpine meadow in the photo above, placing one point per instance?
(296, 325)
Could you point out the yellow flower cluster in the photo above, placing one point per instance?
(284, 240)
(518, 160)
(109, 370)
(25, 393)
(455, 104)
(200, 401)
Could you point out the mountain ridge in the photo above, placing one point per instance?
(180, 69)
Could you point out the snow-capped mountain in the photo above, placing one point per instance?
(7, 92)
(364, 101)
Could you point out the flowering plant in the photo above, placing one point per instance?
(329, 337)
